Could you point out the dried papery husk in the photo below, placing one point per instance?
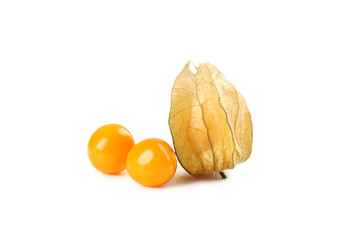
(209, 121)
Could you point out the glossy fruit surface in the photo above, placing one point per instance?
(108, 148)
(151, 162)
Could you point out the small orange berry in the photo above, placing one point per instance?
(108, 148)
(151, 162)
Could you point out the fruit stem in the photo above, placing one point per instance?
(222, 174)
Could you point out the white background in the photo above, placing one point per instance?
(68, 67)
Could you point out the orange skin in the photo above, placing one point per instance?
(151, 162)
(108, 148)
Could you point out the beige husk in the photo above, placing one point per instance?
(209, 121)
